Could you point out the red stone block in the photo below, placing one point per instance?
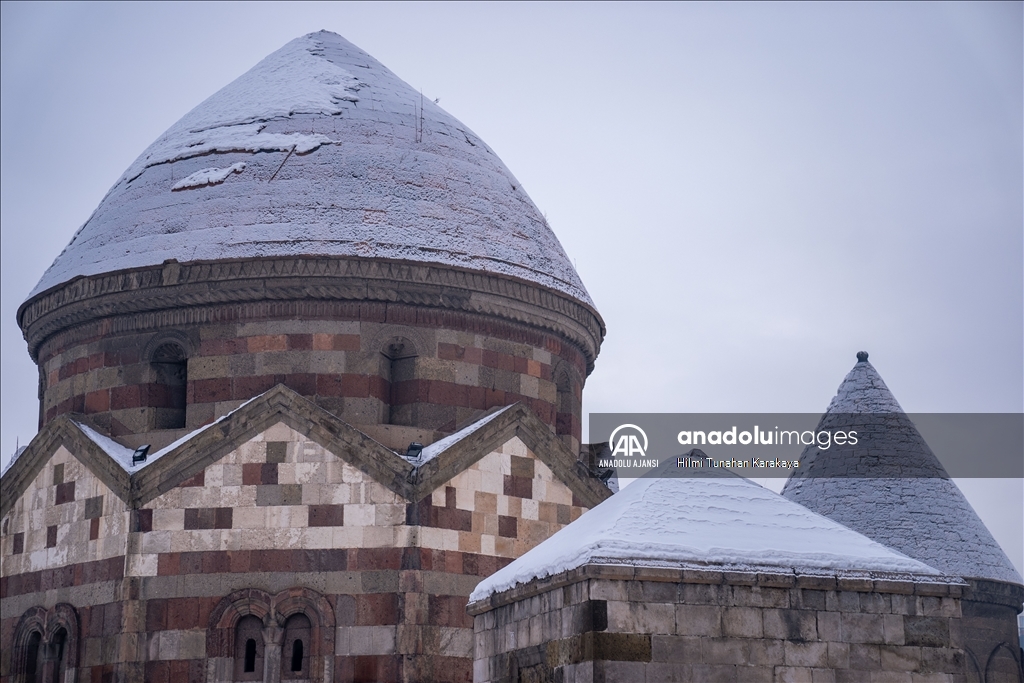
(244, 388)
(215, 562)
(377, 609)
(521, 365)
(488, 565)
(453, 562)
(211, 390)
(94, 528)
(326, 515)
(328, 385)
(520, 487)
(51, 536)
(65, 493)
(355, 386)
(157, 672)
(267, 342)
(303, 383)
(252, 473)
(268, 474)
(191, 563)
(239, 561)
(449, 394)
(477, 398)
(379, 388)
(493, 398)
(97, 401)
(156, 614)
(346, 342)
(96, 361)
(471, 564)
(300, 342)
(123, 398)
(508, 526)
(168, 564)
(375, 558)
(223, 517)
(178, 670)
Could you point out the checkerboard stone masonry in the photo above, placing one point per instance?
(278, 512)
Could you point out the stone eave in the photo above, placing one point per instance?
(281, 404)
(765, 577)
(133, 297)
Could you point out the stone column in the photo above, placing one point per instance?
(273, 637)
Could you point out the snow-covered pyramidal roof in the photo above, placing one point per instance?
(726, 521)
(319, 150)
(919, 510)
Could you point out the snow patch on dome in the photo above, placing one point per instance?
(294, 80)
(209, 176)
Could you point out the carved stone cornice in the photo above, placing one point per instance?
(177, 293)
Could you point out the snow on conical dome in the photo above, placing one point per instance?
(727, 520)
(319, 150)
(905, 499)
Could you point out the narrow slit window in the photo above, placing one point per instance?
(297, 655)
(250, 656)
(171, 390)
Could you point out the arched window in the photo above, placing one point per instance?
(400, 372)
(295, 647)
(34, 657)
(171, 366)
(249, 649)
(57, 647)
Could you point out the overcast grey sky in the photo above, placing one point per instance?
(751, 192)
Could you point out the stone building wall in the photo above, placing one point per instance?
(279, 529)
(354, 368)
(373, 343)
(618, 623)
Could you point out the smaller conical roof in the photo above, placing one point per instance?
(892, 488)
(726, 521)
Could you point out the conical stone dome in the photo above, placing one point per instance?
(319, 150)
(316, 223)
(896, 491)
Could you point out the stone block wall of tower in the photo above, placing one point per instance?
(278, 530)
(366, 369)
(620, 623)
(173, 366)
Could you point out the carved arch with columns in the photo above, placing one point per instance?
(273, 611)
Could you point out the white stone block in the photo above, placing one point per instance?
(168, 520)
(279, 432)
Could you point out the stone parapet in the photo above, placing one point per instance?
(617, 622)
